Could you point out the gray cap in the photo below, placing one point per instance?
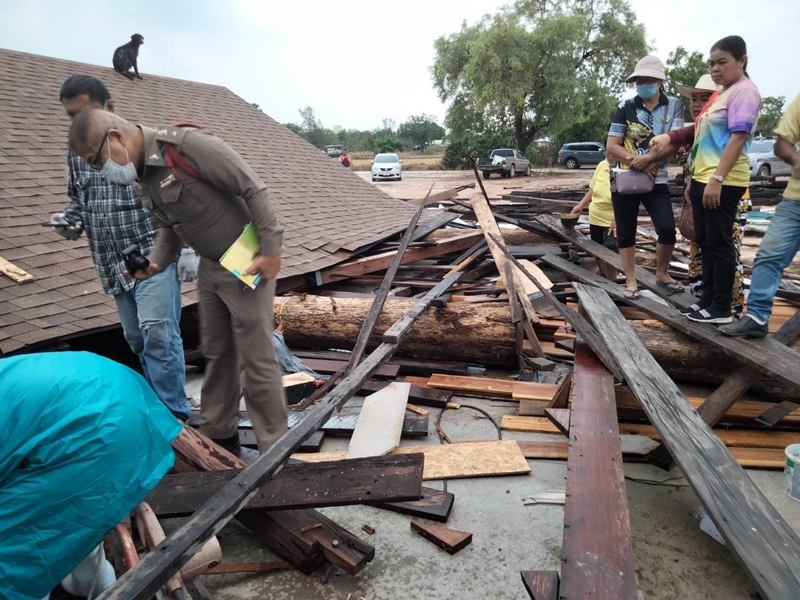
(649, 66)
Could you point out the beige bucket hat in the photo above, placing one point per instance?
(649, 66)
(704, 85)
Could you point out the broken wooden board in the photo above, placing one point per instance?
(741, 438)
(532, 408)
(380, 422)
(417, 394)
(247, 438)
(328, 366)
(541, 585)
(13, 272)
(562, 395)
(753, 530)
(449, 540)
(391, 478)
(493, 388)
(453, 461)
(765, 355)
(777, 413)
(433, 504)
(560, 418)
(597, 552)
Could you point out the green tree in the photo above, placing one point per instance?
(294, 128)
(528, 67)
(421, 130)
(388, 143)
(770, 115)
(313, 131)
(684, 68)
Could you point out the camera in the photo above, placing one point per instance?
(134, 260)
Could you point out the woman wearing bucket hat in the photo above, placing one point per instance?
(720, 172)
(637, 120)
(698, 97)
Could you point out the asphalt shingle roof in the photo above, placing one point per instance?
(327, 210)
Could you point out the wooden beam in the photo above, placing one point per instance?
(13, 272)
(767, 356)
(311, 485)
(383, 291)
(754, 531)
(541, 585)
(597, 553)
(777, 413)
(579, 324)
(155, 569)
(435, 505)
(561, 398)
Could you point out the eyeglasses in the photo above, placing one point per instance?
(93, 163)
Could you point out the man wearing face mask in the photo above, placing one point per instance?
(205, 194)
(113, 219)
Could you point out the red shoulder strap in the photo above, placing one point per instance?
(174, 159)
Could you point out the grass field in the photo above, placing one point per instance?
(412, 161)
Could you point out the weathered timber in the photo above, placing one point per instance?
(449, 540)
(777, 413)
(512, 237)
(767, 355)
(311, 485)
(559, 417)
(147, 577)
(541, 585)
(754, 531)
(597, 553)
(561, 397)
(417, 394)
(433, 504)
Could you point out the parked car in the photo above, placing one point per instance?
(334, 150)
(506, 162)
(577, 154)
(763, 161)
(387, 166)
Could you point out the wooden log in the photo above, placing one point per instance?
(512, 237)
(754, 531)
(389, 479)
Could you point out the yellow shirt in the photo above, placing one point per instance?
(789, 130)
(601, 212)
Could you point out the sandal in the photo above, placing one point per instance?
(673, 287)
(631, 294)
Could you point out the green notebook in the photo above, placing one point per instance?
(241, 255)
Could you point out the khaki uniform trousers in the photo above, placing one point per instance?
(236, 325)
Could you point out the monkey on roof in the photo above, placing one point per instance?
(126, 55)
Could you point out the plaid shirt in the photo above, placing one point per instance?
(113, 218)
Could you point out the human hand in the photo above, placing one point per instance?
(147, 273)
(187, 265)
(267, 266)
(59, 223)
(686, 193)
(711, 194)
(659, 143)
(612, 229)
(796, 161)
(576, 210)
(652, 170)
(640, 162)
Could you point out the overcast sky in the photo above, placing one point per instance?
(356, 61)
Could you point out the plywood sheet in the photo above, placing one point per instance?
(453, 461)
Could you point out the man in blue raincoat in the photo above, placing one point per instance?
(83, 440)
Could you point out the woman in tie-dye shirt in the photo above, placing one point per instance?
(720, 173)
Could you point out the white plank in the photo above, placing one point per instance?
(380, 422)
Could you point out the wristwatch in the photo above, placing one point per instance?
(719, 178)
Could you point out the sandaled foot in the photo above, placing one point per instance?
(631, 294)
(673, 287)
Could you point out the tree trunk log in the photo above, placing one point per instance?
(512, 237)
(483, 334)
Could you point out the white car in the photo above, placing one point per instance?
(763, 161)
(387, 166)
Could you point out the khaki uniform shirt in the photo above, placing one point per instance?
(208, 213)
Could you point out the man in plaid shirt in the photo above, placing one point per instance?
(113, 218)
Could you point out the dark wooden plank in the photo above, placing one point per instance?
(414, 425)
(766, 355)
(754, 531)
(560, 418)
(408, 366)
(597, 554)
(435, 505)
(432, 224)
(197, 590)
(561, 397)
(397, 332)
(313, 444)
(578, 323)
(643, 276)
(417, 395)
(568, 345)
(775, 415)
(449, 540)
(304, 485)
(326, 366)
(541, 585)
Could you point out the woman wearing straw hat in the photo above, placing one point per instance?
(698, 97)
(637, 120)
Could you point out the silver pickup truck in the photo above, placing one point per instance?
(506, 162)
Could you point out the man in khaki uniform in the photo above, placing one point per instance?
(205, 194)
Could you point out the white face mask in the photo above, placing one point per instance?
(117, 173)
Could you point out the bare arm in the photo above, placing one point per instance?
(616, 151)
(787, 153)
(731, 154)
(578, 208)
(166, 251)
